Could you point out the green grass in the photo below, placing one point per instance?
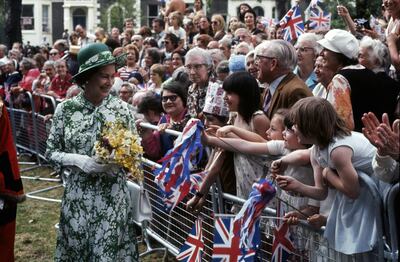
(36, 235)
(35, 238)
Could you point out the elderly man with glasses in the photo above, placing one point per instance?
(275, 61)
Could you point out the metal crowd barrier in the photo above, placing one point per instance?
(171, 229)
(30, 132)
(391, 206)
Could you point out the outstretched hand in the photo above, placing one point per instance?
(383, 136)
(292, 218)
(287, 183)
(212, 130)
(342, 10)
(278, 167)
(224, 131)
(317, 220)
(195, 204)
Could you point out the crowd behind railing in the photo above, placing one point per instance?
(170, 229)
(242, 80)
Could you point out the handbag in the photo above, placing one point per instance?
(140, 202)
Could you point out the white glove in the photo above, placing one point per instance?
(87, 164)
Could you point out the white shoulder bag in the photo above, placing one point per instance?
(140, 202)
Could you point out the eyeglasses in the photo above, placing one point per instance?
(52, 54)
(259, 57)
(214, 22)
(171, 98)
(304, 49)
(196, 67)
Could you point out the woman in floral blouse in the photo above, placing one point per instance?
(96, 219)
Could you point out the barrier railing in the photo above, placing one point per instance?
(44, 104)
(391, 206)
(31, 129)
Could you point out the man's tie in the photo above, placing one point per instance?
(267, 101)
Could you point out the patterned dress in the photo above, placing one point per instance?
(96, 220)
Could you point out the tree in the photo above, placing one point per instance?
(357, 9)
(12, 27)
(115, 17)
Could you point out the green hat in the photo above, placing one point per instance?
(92, 56)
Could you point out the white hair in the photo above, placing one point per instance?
(217, 54)
(312, 38)
(245, 45)
(199, 52)
(378, 53)
(248, 56)
(280, 49)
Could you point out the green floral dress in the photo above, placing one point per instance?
(96, 221)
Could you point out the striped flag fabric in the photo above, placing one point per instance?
(292, 24)
(192, 249)
(173, 178)
(319, 19)
(249, 216)
(226, 242)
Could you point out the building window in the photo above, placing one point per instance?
(79, 17)
(27, 19)
(45, 18)
(152, 12)
(259, 11)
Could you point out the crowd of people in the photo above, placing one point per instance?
(326, 103)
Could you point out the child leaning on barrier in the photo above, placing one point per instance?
(220, 162)
(340, 159)
(281, 143)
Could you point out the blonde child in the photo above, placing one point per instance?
(174, 26)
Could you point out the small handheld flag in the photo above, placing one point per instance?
(192, 249)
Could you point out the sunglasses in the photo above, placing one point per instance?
(52, 54)
(170, 98)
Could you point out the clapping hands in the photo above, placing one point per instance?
(384, 137)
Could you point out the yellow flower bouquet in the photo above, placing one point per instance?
(120, 146)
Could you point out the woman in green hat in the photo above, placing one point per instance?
(96, 219)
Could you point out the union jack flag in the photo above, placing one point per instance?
(292, 24)
(226, 242)
(282, 247)
(249, 215)
(178, 194)
(192, 249)
(319, 19)
(314, 3)
(174, 178)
